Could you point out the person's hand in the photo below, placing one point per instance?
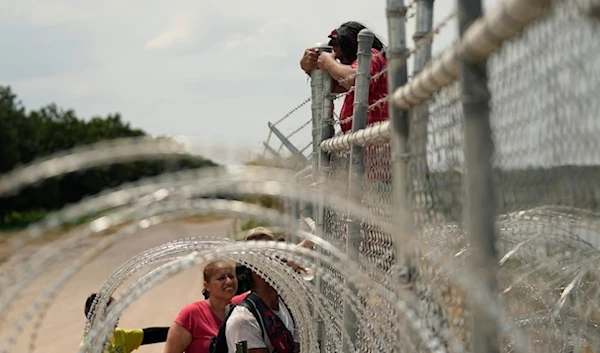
(297, 268)
(308, 62)
(306, 244)
(324, 60)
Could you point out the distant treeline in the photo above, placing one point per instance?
(26, 135)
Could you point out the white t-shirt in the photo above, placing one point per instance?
(243, 326)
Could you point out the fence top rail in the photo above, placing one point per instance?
(480, 41)
(373, 134)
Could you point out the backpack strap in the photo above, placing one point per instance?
(259, 310)
(253, 303)
(218, 343)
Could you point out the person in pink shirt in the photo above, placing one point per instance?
(198, 322)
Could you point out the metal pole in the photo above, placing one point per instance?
(398, 76)
(480, 215)
(289, 145)
(419, 115)
(322, 106)
(241, 347)
(357, 169)
(424, 25)
(316, 88)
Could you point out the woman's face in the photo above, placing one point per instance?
(222, 282)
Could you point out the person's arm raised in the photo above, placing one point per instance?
(345, 75)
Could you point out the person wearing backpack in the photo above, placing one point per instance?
(262, 320)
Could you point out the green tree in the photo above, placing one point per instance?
(27, 136)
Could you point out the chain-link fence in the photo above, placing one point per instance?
(543, 69)
(479, 227)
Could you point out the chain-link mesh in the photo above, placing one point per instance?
(335, 228)
(377, 253)
(544, 87)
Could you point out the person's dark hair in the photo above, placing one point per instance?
(90, 300)
(346, 36)
(245, 280)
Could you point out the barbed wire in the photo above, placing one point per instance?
(287, 115)
(295, 132)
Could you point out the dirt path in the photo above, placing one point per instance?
(62, 329)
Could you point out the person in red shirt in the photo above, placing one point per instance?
(342, 64)
(198, 322)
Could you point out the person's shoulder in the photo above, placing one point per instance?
(240, 315)
(195, 308)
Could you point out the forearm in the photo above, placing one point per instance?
(155, 335)
(336, 87)
(345, 75)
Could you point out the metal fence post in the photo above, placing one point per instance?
(316, 88)
(398, 76)
(480, 206)
(322, 123)
(424, 25)
(357, 169)
(419, 115)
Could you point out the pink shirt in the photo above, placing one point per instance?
(199, 320)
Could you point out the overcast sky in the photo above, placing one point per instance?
(213, 71)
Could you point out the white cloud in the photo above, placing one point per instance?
(178, 32)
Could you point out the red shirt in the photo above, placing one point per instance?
(199, 320)
(378, 89)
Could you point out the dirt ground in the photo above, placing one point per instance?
(62, 329)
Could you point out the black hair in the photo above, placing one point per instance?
(346, 36)
(90, 300)
(244, 276)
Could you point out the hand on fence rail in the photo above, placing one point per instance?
(426, 40)
(376, 100)
(310, 61)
